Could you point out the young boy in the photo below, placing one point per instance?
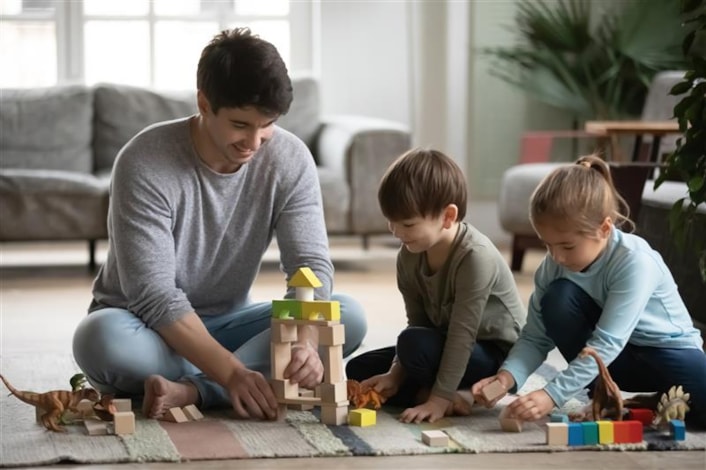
(464, 312)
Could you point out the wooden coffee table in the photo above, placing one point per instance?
(614, 129)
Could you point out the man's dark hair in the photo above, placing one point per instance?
(238, 69)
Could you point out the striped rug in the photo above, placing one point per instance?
(25, 443)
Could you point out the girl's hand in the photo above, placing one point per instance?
(386, 384)
(434, 409)
(504, 377)
(531, 407)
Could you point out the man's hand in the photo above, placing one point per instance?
(251, 395)
(531, 407)
(434, 409)
(305, 368)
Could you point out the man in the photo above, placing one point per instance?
(195, 202)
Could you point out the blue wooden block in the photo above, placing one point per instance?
(558, 418)
(590, 433)
(677, 430)
(575, 434)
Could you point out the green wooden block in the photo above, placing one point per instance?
(590, 433)
(288, 308)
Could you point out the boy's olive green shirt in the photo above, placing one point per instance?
(472, 297)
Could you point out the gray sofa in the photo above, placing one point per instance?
(57, 147)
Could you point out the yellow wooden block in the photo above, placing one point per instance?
(329, 310)
(605, 432)
(362, 417)
(304, 277)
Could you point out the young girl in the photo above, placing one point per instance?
(603, 288)
(463, 308)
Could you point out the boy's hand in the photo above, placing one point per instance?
(305, 368)
(531, 407)
(434, 409)
(504, 377)
(386, 384)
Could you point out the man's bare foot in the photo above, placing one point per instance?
(460, 406)
(162, 394)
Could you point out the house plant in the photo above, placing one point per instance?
(688, 162)
(593, 59)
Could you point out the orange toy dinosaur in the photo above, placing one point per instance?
(54, 403)
(606, 393)
(360, 398)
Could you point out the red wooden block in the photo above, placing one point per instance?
(621, 432)
(642, 415)
(634, 431)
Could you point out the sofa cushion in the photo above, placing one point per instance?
(52, 205)
(303, 118)
(121, 111)
(47, 128)
(336, 199)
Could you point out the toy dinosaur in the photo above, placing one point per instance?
(361, 397)
(77, 381)
(105, 409)
(672, 405)
(607, 400)
(54, 403)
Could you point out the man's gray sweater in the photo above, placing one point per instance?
(184, 238)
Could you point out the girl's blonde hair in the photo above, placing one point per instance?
(582, 195)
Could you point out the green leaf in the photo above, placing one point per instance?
(695, 183)
(680, 88)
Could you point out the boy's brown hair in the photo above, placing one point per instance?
(422, 183)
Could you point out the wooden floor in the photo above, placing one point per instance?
(40, 284)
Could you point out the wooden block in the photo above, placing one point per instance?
(192, 413)
(305, 294)
(122, 404)
(334, 392)
(605, 432)
(435, 438)
(509, 424)
(287, 308)
(590, 433)
(677, 431)
(175, 415)
(95, 427)
(284, 389)
(642, 415)
(283, 331)
(281, 355)
(493, 390)
(557, 434)
(634, 430)
(575, 434)
(304, 394)
(332, 335)
(124, 422)
(329, 310)
(281, 412)
(362, 417)
(333, 364)
(621, 432)
(334, 415)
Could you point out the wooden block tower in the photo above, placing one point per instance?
(287, 316)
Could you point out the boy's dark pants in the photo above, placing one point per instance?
(570, 315)
(419, 350)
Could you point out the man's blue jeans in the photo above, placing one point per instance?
(117, 352)
(570, 316)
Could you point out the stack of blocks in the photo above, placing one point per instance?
(562, 432)
(287, 316)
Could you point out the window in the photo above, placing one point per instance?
(153, 43)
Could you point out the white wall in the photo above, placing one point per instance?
(364, 62)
